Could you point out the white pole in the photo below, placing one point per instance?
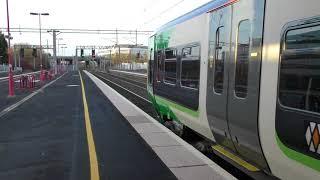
(55, 51)
(40, 41)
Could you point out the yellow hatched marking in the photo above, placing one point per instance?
(235, 158)
(94, 169)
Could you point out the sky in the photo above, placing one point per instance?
(91, 14)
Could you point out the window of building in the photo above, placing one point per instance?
(190, 67)
(242, 58)
(300, 69)
(170, 66)
(220, 55)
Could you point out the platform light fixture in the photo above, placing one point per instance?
(39, 15)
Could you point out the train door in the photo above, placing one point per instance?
(217, 88)
(151, 62)
(244, 81)
(158, 67)
(234, 117)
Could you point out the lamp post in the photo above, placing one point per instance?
(10, 74)
(39, 15)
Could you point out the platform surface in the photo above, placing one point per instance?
(46, 137)
(184, 161)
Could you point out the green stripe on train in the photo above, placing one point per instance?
(302, 158)
(161, 100)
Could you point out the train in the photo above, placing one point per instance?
(245, 75)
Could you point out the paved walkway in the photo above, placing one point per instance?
(46, 138)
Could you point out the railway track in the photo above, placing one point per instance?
(135, 91)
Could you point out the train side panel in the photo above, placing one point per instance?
(191, 33)
(289, 156)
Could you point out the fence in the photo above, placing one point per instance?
(130, 66)
(5, 68)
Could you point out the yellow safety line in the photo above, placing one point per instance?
(94, 169)
(235, 158)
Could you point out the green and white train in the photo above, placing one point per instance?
(244, 74)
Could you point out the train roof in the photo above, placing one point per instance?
(196, 12)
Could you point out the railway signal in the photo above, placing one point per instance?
(93, 53)
(81, 53)
(34, 52)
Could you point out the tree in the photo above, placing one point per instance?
(3, 49)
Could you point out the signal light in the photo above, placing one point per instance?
(34, 52)
(81, 53)
(93, 53)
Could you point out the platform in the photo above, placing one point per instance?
(63, 132)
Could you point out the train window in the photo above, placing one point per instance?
(242, 58)
(300, 69)
(151, 55)
(151, 60)
(190, 67)
(220, 53)
(170, 66)
(303, 38)
(159, 68)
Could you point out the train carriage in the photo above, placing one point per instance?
(245, 74)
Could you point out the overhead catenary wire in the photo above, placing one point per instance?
(80, 32)
(74, 32)
(161, 13)
(63, 30)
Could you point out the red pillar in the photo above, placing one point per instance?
(10, 78)
(10, 75)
